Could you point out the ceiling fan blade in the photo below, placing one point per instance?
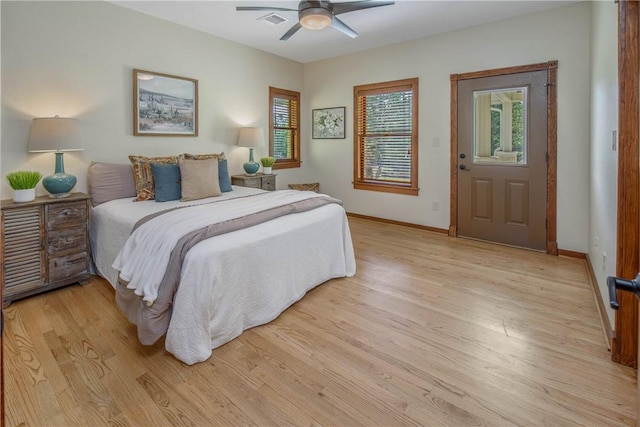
(338, 25)
(265, 8)
(291, 31)
(350, 6)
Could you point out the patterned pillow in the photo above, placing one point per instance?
(314, 186)
(204, 156)
(145, 186)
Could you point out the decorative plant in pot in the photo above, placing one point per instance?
(267, 164)
(23, 184)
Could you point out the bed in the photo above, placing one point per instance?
(229, 281)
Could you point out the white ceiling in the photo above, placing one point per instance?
(405, 20)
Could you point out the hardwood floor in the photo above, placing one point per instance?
(431, 331)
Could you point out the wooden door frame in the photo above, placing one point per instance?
(624, 343)
(551, 67)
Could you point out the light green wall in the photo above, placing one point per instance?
(75, 59)
(604, 160)
(562, 34)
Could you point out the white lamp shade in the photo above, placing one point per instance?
(55, 134)
(251, 137)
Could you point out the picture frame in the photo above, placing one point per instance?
(328, 123)
(164, 105)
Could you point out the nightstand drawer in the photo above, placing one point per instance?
(269, 182)
(67, 239)
(62, 215)
(260, 180)
(66, 267)
(252, 182)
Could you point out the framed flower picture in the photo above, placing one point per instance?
(164, 105)
(328, 123)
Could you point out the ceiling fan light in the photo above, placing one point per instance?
(315, 18)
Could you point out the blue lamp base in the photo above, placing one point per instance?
(251, 167)
(60, 183)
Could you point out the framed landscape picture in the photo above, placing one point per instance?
(164, 105)
(328, 123)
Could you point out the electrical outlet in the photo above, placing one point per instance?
(435, 206)
(436, 143)
(597, 241)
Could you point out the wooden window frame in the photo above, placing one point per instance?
(295, 161)
(359, 182)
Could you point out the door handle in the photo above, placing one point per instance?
(463, 168)
(615, 283)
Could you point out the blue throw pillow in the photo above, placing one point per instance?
(223, 176)
(167, 182)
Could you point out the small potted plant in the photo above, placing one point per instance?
(23, 184)
(267, 164)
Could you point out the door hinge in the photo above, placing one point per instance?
(546, 224)
(547, 157)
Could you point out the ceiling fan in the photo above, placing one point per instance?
(319, 14)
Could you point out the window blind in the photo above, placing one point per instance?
(386, 136)
(285, 127)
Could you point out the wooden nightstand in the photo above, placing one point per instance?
(259, 180)
(45, 244)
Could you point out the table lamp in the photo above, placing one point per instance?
(251, 137)
(56, 134)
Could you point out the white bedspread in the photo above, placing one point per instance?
(113, 222)
(143, 260)
(236, 281)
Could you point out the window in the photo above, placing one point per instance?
(499, 126)
(284, 127)
(386, 137)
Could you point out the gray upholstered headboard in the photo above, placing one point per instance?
(109, 181)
